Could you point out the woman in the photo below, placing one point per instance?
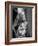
(20, 23)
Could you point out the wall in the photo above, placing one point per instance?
(2, 22)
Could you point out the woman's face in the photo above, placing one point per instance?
(22, 29)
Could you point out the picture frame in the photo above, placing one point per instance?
(29, 9)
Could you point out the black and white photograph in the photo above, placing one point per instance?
(21, 22)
